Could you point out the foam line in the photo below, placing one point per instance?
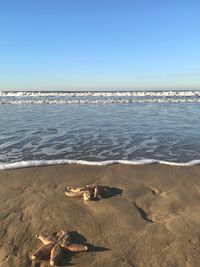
(89, 97)
(37, 163)
(98, 101)
(98, 93)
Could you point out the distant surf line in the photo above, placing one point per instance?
(101, 93)
(97, 97)
(97, 102)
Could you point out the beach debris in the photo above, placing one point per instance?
(87, 192)
(55, 246)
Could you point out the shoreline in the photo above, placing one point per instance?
(141, 162)
(154, 221)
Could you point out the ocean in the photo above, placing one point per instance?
(136, 127)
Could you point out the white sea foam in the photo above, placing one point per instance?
(165, 132)
(100, 101)
(117, 97)
(38, 163)
(97, 93)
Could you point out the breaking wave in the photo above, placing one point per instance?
(38, 163)
(99, 93)
(63, 97)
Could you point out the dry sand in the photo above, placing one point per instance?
(155, 221)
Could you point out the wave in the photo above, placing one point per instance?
(39, 97)
(99, 101)
(99, 93)
(39, 163)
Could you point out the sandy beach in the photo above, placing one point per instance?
(152, 219)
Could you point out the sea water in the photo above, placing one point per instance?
(39, 128)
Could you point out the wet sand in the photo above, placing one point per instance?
(152, 219)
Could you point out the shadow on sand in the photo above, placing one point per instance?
(108, 192)
(79, 239)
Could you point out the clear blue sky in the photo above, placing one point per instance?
(99, 44)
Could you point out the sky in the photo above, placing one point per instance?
(99, 44)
